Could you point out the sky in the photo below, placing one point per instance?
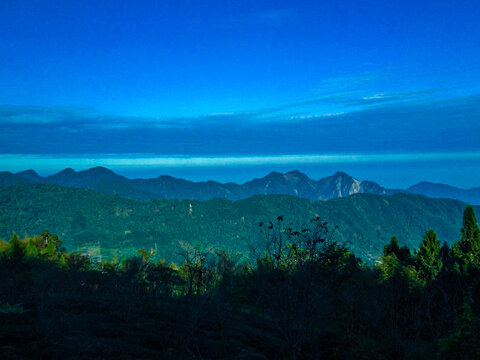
(229, 90)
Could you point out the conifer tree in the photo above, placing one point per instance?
(391, 248)
(16, 249)
(467, 249)
(446, 256)
(470, 231)
(402, 253)
(31, 249)
(428, 257)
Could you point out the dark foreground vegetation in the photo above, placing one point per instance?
(305, 297)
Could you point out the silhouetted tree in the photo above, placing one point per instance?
(463, 342)
(16, 249)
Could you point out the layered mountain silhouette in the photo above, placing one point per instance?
(295, 183)
(291, 183)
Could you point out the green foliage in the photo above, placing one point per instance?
(470, 231)
(392, 248)
(428, 257)
(31, 249)
(390, 266)
(392, 269)
(397, 266)
(147, 257)
(401, 253)
(3, 245)
(467, 249)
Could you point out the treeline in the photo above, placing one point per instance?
(303, 296)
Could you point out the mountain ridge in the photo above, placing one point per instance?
(293, 182)
(438, 190)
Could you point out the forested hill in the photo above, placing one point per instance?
(109, 223)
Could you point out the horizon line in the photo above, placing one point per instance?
(82, 161)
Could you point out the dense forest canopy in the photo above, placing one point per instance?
(105, 225)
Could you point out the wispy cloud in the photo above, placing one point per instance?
(73, 116)
(405, 121)
(41, 162)
(39, 114)
(314, 116)
(373, 97)
(86, 117)
(221, 114)
(349, 101)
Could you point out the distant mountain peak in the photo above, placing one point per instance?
(422, 183)
(274, 174)
(99, 170)
(425, 182)
(342, 184)
(29, 172)
(342, 175)
(295, 173)
(7, 178)
(427, 185)
(339, 177)
(67, 171)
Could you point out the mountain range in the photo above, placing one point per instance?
(295, 183)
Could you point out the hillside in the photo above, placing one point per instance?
(103, 223)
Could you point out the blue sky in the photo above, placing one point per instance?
(359, 82)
